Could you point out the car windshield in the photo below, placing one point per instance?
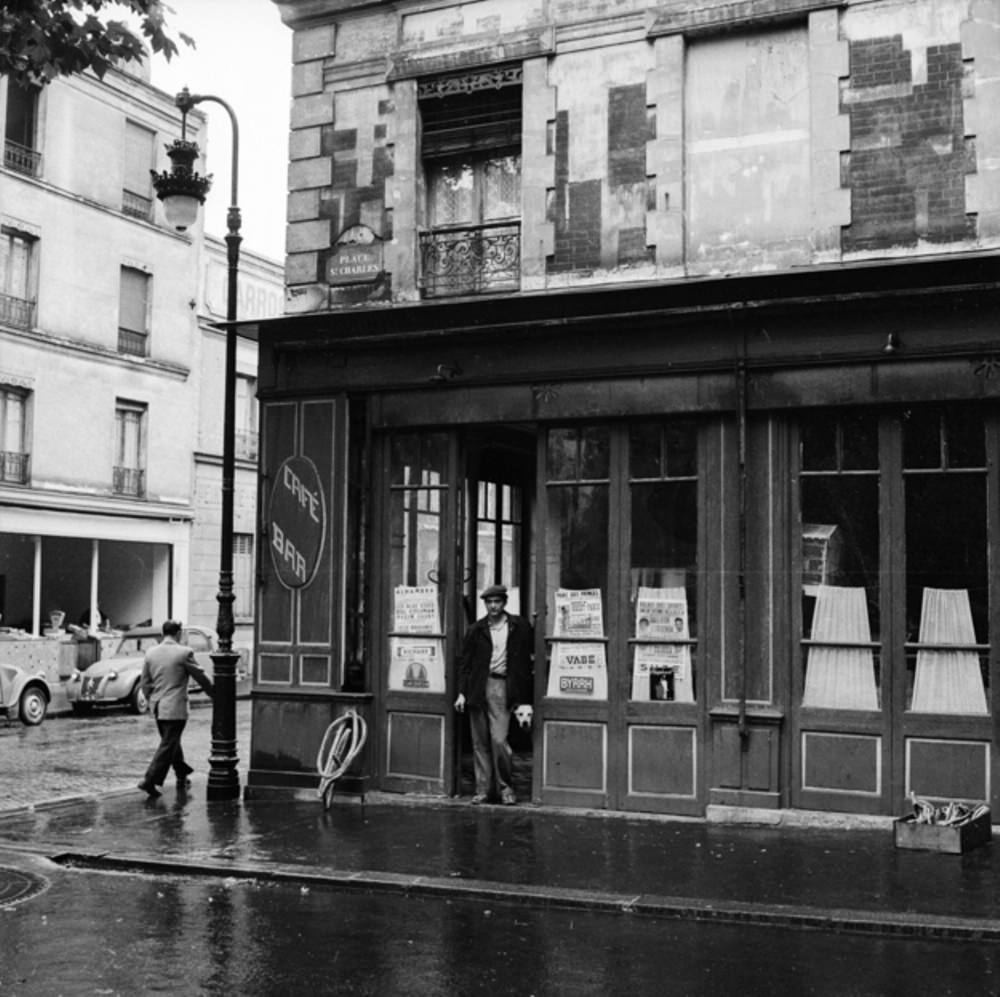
(133, 644)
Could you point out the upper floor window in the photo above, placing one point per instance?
(17, 279)
(13, 434)
(472, 164)
(246, 417)
(130, 449)
(21, 130)
(133, 312)
(137, 196)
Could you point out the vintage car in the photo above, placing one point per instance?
(114, 680)
(23, 695)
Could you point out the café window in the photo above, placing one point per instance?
(418, 479)
(663, 495)
(947, 565)
(839, 497)
(578, 472)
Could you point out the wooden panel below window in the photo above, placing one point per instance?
(575, 756)
(415, 745)
(958, 770)
(842, 763)
(275, 668)
(662, 761)
(314, 669)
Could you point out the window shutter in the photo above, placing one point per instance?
(132, 310)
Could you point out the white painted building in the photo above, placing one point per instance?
(111, 376)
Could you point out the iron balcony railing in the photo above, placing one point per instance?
(132, 342)
(475, 259)
(246, 445)
(129, 481)
(137, 206)
(16, 312)
(14, 467)
(22, 159)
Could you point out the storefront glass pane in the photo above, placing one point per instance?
(663, 560)
(840, 562)
(947, 598)
(418, 458)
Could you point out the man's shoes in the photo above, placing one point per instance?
(479, 798)
(507, 798)
(184, 772)
(149, 789)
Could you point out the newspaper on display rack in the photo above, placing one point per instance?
(578, 668)
(662, 671)
(416, 660)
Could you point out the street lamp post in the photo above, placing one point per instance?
(182, 190)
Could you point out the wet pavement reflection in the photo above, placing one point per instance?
(95, 933)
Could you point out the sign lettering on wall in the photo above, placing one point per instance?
(298, 522)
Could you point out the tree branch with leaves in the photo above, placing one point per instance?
(43, 39)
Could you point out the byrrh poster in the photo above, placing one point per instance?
(578, 613)
(578, 670)
(416, 665)
(415, 609)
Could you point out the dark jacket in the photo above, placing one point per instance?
(474, 662)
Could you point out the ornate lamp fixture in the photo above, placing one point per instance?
(181, 189)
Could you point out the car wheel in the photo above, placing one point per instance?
(33, 707)
(82, 709)
(137, 699)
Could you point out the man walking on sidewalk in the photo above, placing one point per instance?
(494, 677)
(166, 672)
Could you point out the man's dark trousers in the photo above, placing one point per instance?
(169, 753)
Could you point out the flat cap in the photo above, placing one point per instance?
(495, 592)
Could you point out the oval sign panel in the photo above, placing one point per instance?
(298, 522)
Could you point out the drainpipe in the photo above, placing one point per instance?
(741, 420)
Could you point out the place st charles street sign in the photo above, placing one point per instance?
(356, 258)
(298, 522)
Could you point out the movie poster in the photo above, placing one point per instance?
(416, 665)
(415, 609)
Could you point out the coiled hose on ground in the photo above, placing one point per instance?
(341, 744)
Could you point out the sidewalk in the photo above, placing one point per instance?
(845, 878)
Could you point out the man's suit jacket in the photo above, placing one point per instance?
(474, 661)
(166, 672)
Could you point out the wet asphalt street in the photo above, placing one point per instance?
(109, 750)
(113, 934)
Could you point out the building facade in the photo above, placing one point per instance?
(679, 321)
(110, 372)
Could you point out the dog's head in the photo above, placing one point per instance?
(524, 714)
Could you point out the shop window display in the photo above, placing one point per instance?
(947, 599)
(664, 552)
(577, 471)
(839, 491)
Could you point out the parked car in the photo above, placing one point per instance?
(115, 680)
(24, 695)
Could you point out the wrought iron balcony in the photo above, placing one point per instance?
(14, 467)
(137, 206)
(246, 444)
(129, 481)
(22, 159)
(476, 259)
(132, 342)
(16, 312)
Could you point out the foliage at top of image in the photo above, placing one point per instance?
(43, 39)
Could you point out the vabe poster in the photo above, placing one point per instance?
(578, 666)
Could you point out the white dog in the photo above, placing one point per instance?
(524, 714)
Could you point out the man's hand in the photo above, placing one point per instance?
(460, 703)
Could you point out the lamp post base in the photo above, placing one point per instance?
(223, 779)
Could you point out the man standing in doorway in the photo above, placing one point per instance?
(494, 677)
(166, 672)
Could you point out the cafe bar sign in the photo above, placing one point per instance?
(356, 258)
(298, 522)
